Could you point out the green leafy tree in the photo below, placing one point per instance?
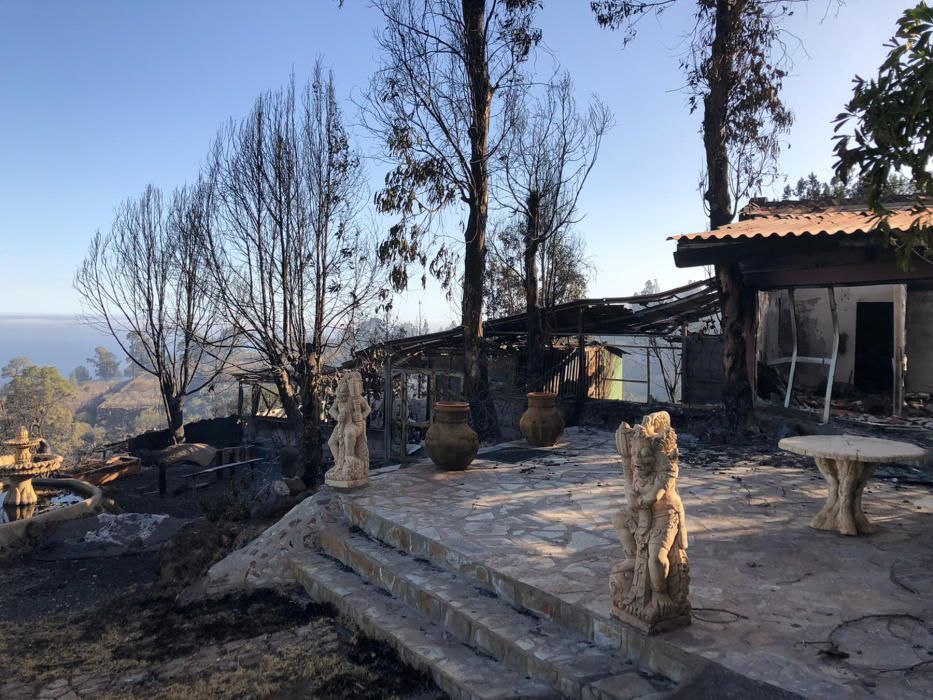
(812, 188)
(80, 375)
(15, 367)
(87, 437)
(148, 419)
(105, 363)
(36, 398)
(887, 126)
(137, 349)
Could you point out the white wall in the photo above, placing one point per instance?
(815, 329)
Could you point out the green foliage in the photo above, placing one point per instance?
(35, 398)
(105, 363)
(812, 188)
(15, 367)
(137, 357)
(80, 375)
(891, 121)
(151, 418)
(86, 436)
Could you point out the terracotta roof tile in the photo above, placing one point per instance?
(764, 220)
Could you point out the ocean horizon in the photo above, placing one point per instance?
(57, 340)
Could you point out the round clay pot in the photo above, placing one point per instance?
(451, 442)
(542, 424)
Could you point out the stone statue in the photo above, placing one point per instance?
(348, 441)
(649, 588)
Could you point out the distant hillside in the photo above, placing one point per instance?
(134, 395)
(133, 406)
(90, 393)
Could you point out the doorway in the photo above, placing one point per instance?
(874, 347)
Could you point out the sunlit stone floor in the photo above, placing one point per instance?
(811, 611)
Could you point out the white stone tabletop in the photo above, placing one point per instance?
(854, 447)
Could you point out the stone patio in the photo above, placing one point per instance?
(811, 612)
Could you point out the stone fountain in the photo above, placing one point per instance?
(25, 467)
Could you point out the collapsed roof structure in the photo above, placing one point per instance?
(662, 314)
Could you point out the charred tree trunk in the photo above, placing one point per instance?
(173, 405)
(291, 404)
(482, 407)
(311, 442)
(174, 408)
(716, 111)
(534, 367)
(738, 327)
(737, 302)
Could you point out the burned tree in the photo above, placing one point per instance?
(291, 266)
(735, 69)
(563, 270)
(145, 282)
(550, 151)
(450, 69)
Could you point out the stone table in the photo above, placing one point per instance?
(847, 462)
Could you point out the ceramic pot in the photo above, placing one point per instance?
(451, 442)
(542, 424)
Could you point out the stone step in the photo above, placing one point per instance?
(522, 641)
(695, 675)
(654, 654)
(459, 671)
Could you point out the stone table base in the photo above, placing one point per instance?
(842, 511)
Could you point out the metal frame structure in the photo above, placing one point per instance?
(796, 358)
(388, 399)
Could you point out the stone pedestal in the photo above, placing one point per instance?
(345, 484)
(632, 603)
(20, 492)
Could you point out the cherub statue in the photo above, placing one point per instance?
(649, 588)
(348, 442)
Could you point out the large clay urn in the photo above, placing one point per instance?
(542, 424)
(451, 442)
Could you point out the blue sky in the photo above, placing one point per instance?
(100, 97)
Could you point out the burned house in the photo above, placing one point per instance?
(627, 348)
(818, 305)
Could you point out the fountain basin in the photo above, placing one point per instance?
(26, 525)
